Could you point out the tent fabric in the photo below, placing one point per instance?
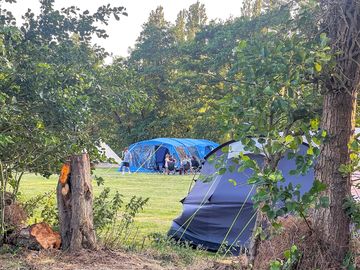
(106, 150)
(149, 155)
(212, 207)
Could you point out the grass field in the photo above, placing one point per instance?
(164, 191)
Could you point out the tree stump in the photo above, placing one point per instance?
(75, 204)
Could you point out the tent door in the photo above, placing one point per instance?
(160, 153)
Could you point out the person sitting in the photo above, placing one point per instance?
(185, 165)
(171, 165)
(195, 164)
(171, 168)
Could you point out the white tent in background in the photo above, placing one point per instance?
(110, 154)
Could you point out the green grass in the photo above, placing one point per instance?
(164, 191)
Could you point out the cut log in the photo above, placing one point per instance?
(75, 202)
(36, 237)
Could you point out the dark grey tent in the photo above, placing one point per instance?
(218, 213)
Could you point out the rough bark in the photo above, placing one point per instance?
(339, 121)
(255, 239)
(75, 202)
(342, 23)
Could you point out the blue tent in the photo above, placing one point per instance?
(149, 155)
(217, 212)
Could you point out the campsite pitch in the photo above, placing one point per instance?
(164, 191)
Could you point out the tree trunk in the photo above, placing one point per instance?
(342, 24)
(339, 121)
(255, 238)
(75, 202)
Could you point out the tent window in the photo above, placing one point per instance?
(181, 152)
(136, 154)
(148, 156)
(193, 151)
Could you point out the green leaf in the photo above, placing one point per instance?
(314, 123)
(353, 156)
(294, 249)
(265, 208)
(222, 171)
(242, 44)
(287, 254)
(276, 225)
(317, 67)
(289, 139)
(268, 91)
(275, 265)
(253, 180)
(318, 186)
(291, 206)
(233, 182)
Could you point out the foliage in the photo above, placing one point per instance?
(354, 164)
(42, 208)
(351, 205)
(113, 226)
(105, 209)
(292, 257)
(49, 212)
(50, 93)
(352, 209)
(274, 108)
(190, 62)
(349, 262)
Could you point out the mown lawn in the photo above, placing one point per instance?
(164, 191)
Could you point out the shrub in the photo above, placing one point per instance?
(42, 208)
(114, 223)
